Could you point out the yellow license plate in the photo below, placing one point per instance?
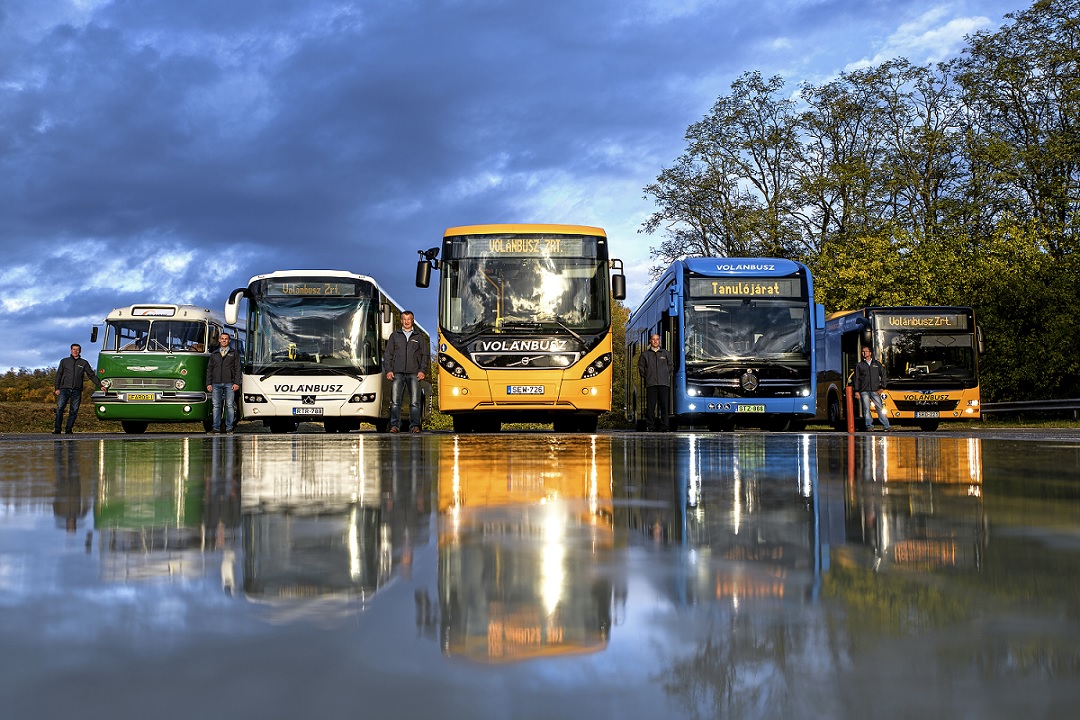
(141, 396)
(750, 408)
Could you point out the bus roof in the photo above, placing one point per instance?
(163, 311)
(524, 229)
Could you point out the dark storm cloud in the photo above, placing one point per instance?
(166, 151)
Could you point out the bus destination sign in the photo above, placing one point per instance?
(311, 288)
(744, 287)
(523, 246)
(922, 321)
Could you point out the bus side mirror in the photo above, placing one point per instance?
(423, 274)
(978, 339)
(819, 316)
(387, 320)
(93, 334)
(232, 305)
(618, 281)
(423, 268)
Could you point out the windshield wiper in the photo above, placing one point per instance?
(279, 369)
(562, 323)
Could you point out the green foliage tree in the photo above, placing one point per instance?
(955, 183)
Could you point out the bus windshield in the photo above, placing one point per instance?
(943, 359)
(517, 293)
(294, 333)
(721, 330)
(155, 336)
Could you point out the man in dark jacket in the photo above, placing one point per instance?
(655, 366)
(68, 387)
(406, 361)
(223, 378)
(869, 381)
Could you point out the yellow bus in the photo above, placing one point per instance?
(930, 355)
(526, 540)
(524, 324)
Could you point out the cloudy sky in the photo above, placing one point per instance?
(167, 150)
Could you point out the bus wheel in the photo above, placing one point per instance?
(134, 427)
(836, 419)
(929, 425)
(588, 424)
(207, 424)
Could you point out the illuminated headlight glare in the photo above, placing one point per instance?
(597, 366)
(805, 392)
(106, 384)
(451, 366)
(180, 384)
(253, 398)
(971, 403)
(692, 392)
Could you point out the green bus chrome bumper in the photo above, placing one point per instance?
(181, 407)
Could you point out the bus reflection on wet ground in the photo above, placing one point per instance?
(539, 574)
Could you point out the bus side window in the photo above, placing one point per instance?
(215, 330)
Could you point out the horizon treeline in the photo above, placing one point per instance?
(952, 183)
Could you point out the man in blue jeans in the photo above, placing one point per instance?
(223, 379)
(869, 381)
(406, 361)
(68, 387)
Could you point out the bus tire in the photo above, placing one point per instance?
(134, 427)
(282, 426)
(588, 424)
(835, 416)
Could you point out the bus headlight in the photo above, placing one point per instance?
(253, 398)
(452, 366)
(106, 383)
(597, 366)
(971, 403)
(362, 398)
(180, 384)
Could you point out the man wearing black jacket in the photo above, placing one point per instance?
(868, 382)
(68, 387)
(223, 378)
(406, 361)
(655, 366)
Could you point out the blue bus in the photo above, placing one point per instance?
(741, 334)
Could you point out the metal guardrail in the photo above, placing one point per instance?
(1022, 406)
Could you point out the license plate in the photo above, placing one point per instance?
(307, 411)
(524, 389)
(140, 396)
(927, 414)
(750, 408)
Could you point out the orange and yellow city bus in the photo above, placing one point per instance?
(524, 324)
(930, 356)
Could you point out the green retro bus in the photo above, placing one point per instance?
(152, 364)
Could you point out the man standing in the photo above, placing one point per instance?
(223, 377)
(868, 382)
(655, 366)
(68, 386)
(406, 361)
